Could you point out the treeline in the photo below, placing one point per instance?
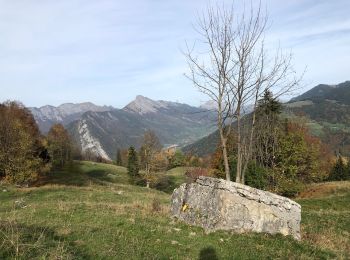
(25, 154)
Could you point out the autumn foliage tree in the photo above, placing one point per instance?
(23, 156)
(150, 156)
(59, 145)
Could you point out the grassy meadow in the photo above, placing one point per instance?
(90, 211)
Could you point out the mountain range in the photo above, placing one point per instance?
(103, 129)
(325, 110)
(64, 114)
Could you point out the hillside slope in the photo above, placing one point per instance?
(89, 211)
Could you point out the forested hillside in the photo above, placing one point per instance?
(325, 110)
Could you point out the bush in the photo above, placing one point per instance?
(288, 187)
(156, 205)
(176, 160)
(193, 174)
(161, 182)
(217, 174)
(257, 176)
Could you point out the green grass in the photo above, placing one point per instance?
(89, 211)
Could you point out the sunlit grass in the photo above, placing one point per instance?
(90, 211)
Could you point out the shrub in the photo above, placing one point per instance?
(176, 160)
(257, 176)
(156, 205)
(193, 174)
(163, 182)
(288, 187)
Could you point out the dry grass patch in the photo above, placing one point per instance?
(329, 239)
(325, 189)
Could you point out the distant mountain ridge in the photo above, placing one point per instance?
(326, 110)
(102, 130)
(339, 93)
(103, 133)
(66, 113)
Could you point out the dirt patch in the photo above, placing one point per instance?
(324, 189)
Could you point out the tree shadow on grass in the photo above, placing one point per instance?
(208, 253)
(166, 184)
(34, 242)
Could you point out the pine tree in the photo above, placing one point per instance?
(339, 171)
(133, 164)
(267, 129)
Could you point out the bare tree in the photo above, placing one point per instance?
(234, 70)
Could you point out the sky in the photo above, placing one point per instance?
(109, 51)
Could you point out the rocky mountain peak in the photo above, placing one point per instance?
(143, 105)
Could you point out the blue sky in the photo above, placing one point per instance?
(109, 51)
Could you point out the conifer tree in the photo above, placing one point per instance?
(133, 164)
(118, 159)
(339, 171)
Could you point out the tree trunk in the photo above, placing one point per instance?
(239, 150)
(226, 164)
(225, 154)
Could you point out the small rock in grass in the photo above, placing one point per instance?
(4, 190)
(192, 234)
(177, 229)
(158, 240)
(120, 192)
(20, 204)
(79, 242)
(174, 242)
(221, 240)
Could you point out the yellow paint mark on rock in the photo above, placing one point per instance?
(184, 207)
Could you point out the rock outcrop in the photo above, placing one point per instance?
(216, 204)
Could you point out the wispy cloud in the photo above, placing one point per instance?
(108, 51)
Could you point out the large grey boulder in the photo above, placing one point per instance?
(216, 204)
